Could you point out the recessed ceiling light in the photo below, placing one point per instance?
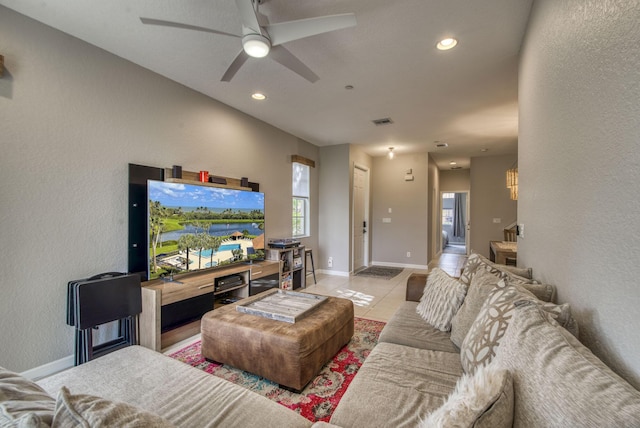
(259, 96)
(484, 150)
(446, 44)
(348, 87)
(453, 163)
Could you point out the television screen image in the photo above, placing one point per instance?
(193, 227)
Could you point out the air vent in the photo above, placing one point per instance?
(456, 167)
(441, 145)
(383, 121)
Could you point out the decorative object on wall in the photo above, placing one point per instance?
(512, 181)
(390, 155)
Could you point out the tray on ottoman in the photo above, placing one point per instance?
(282, 305)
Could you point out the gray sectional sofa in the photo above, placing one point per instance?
(530, 371)
(555, 380)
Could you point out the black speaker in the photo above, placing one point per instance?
(255, 187)
(244, 182)
(138, 176)
(177, 171)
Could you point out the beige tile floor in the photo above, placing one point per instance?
(375, 299)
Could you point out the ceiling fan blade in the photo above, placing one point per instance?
(248, 16)
(281, 55)
(235, 66)
(151, 21)
(284, 32)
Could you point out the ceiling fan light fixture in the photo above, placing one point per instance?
(256, 46)
(446, 44)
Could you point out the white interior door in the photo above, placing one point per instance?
(360, 217)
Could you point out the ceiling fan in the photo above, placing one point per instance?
(259, 38)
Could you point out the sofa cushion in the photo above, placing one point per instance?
(407, 328)
(23, 402)
(396, 386)
(481, 400)
(481, 285)
(482, 341)
(89, 411)
(441, 299)
(475, 262)
(558, 381)
(181, 394)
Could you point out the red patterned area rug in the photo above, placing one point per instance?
(321, 396)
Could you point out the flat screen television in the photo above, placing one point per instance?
(192, 227)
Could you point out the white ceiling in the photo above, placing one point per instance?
(466, 97)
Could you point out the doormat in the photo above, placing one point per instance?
(319, 398)
(382, 272)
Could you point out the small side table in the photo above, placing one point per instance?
(499, 251)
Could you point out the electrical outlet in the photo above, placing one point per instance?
(408, 253)
(330, 262)
(386, 220)
(497, 220)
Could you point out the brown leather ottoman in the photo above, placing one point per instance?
(290, 354)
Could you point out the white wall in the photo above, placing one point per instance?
(71, 118)
(579, 167)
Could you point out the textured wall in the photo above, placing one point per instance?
(71, 118)
(579, 167)
(489, 199)
(408, 202)
(455, 180)
(334, 209)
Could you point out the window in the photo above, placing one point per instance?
(447, 209)
(300, 191)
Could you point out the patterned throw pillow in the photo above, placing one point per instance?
(441, 299)
(481, 343)
(481, 285)
(482, 400)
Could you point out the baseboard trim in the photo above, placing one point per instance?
(400, 265)
(332, 272)
(49, 368)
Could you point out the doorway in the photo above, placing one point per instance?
(455, 222)
(360, 225)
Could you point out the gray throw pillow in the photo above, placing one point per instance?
(557, 380)
(88, 411)
(23, 402)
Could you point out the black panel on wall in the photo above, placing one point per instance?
(138, 176)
